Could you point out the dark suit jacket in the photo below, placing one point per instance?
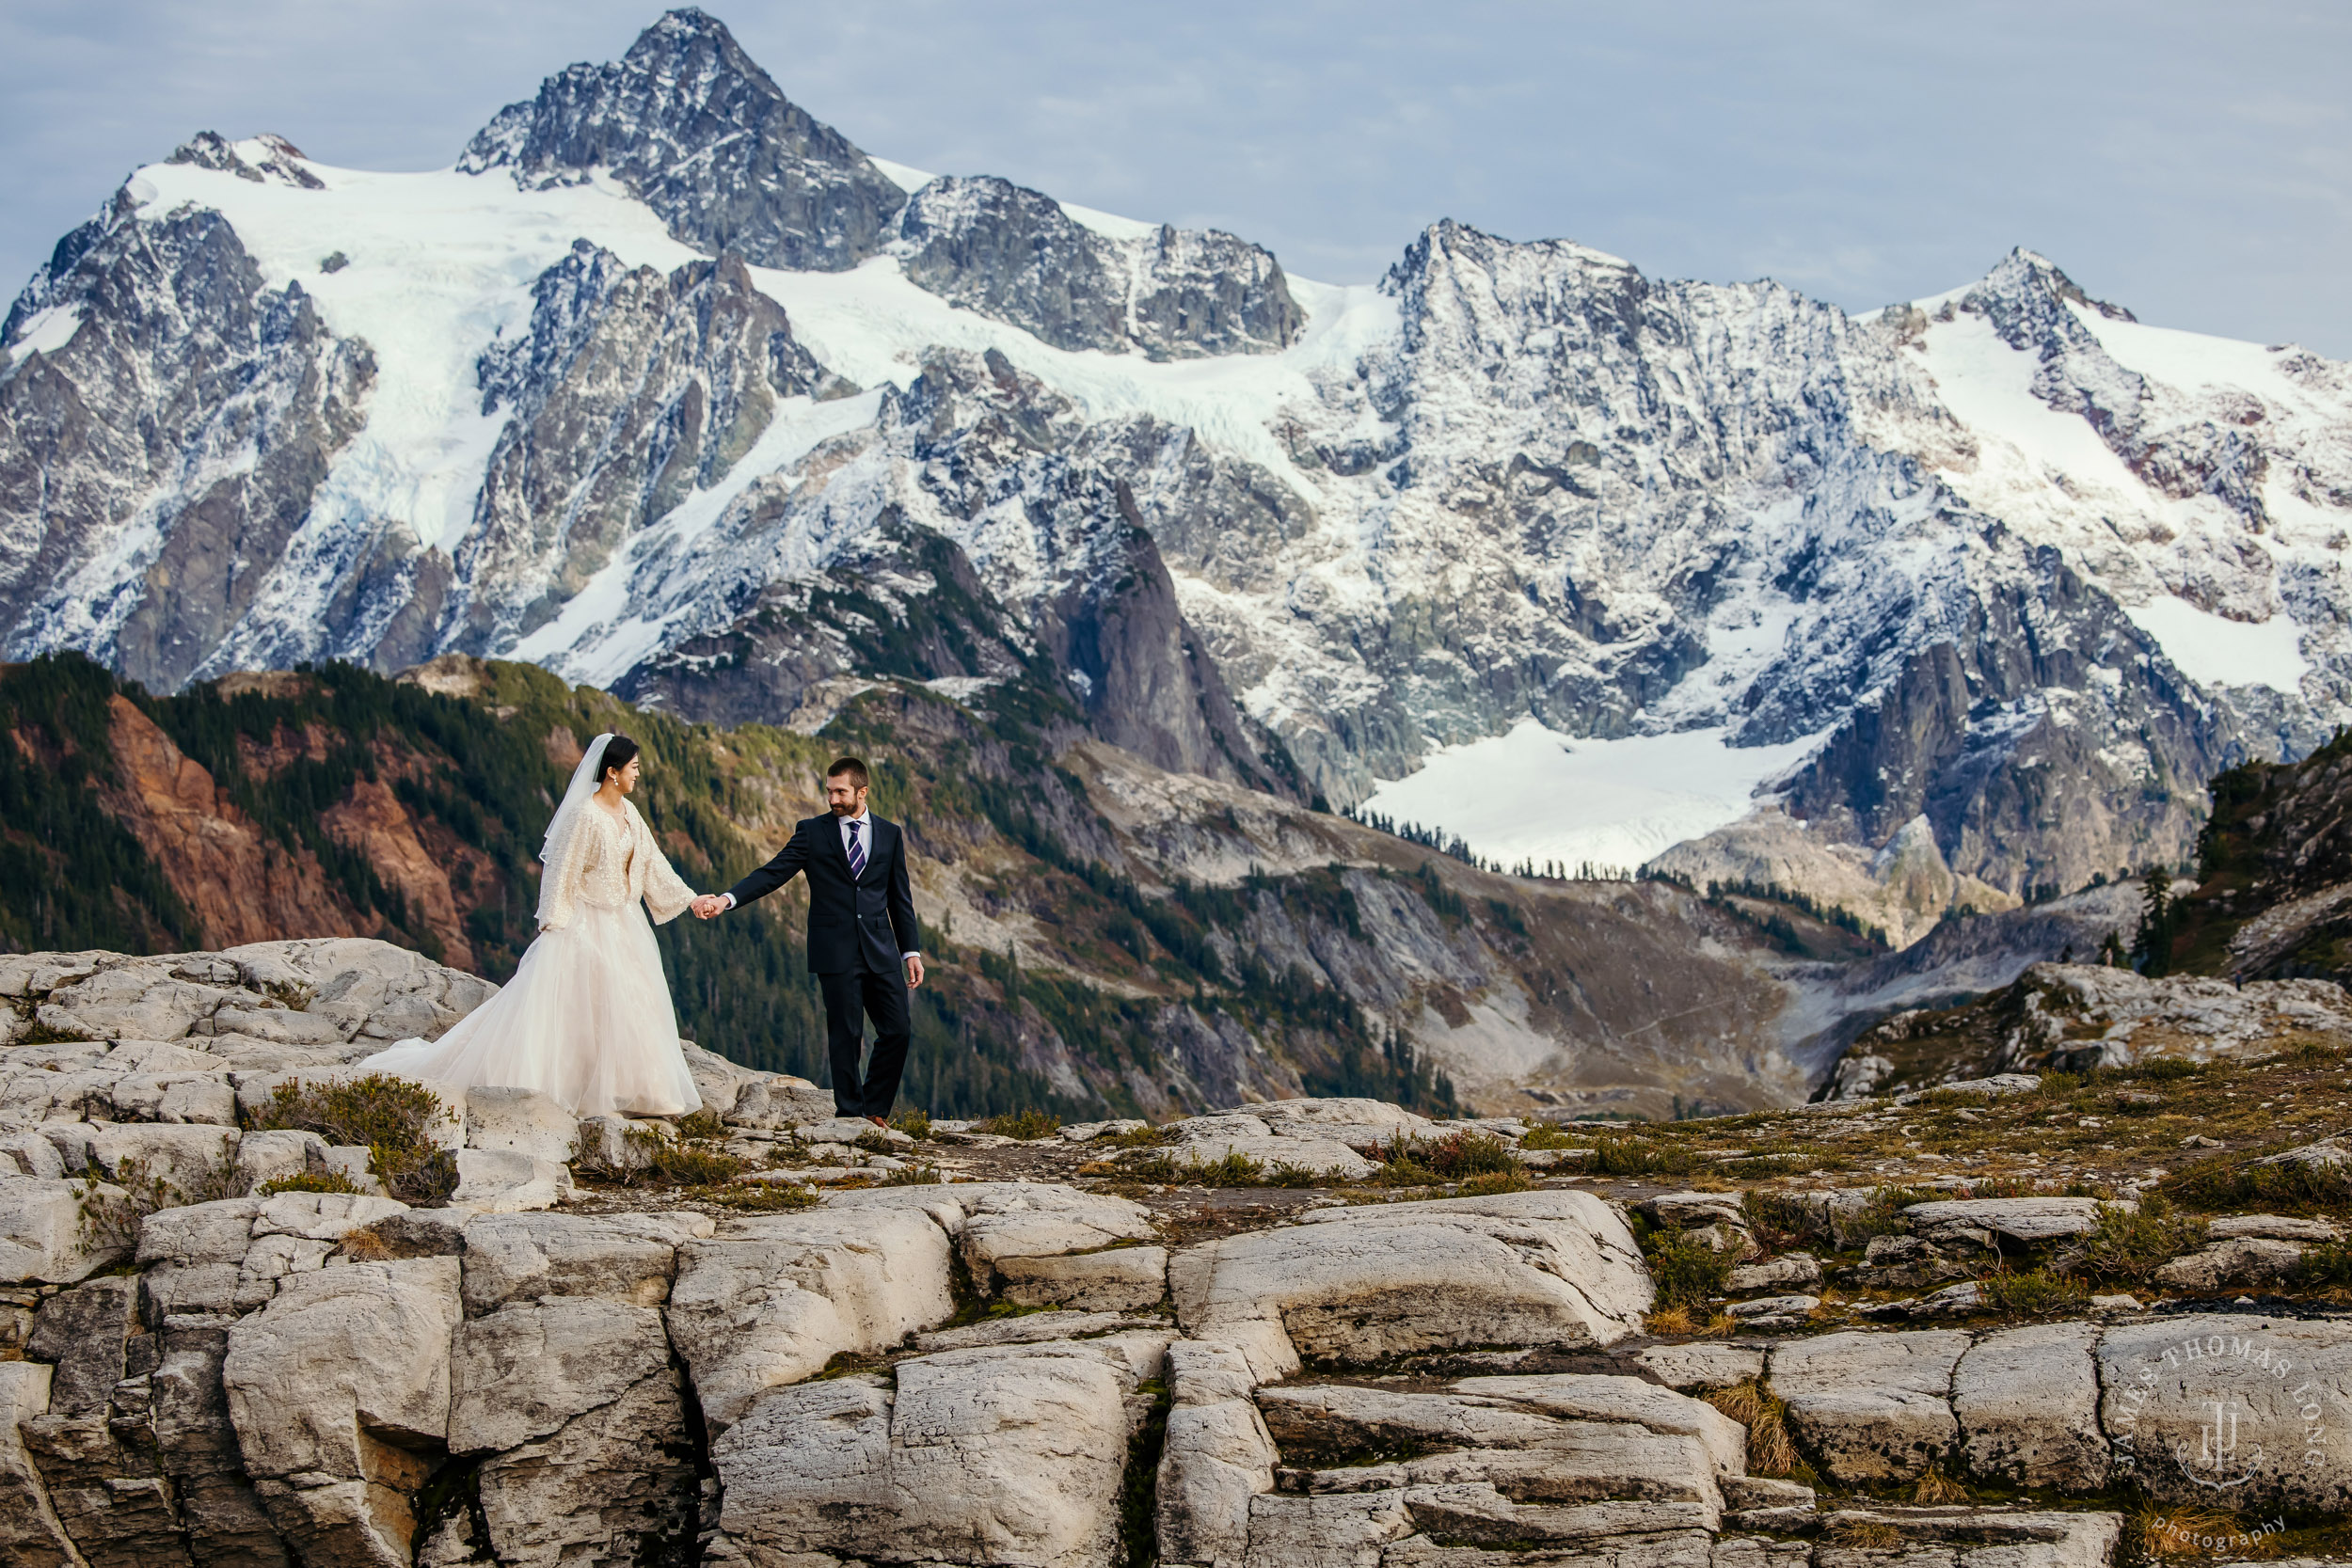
(851, 926)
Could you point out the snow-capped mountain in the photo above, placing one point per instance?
(673, 389)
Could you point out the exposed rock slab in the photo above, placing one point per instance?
(769, 1301)
(623, 1257)
(1871, 1407)
(1366, 1285)
(2283, 1385)
(2027, 1404)
(1007, 1454)
(338, 1390)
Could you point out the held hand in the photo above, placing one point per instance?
(914, 969)
(708, 905)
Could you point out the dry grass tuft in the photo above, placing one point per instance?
(1771, 1452)
(1937, 1488)
(1669, 1321)
(1858, 1534)
(2154, 1532)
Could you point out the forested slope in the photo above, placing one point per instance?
(1107, 936)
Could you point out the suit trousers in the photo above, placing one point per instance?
(851, 999)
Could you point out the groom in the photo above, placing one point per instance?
(863, 942)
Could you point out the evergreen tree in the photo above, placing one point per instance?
(2153, 946)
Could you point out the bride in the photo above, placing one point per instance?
(587, 1016)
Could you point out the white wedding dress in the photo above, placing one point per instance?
(587, 1018)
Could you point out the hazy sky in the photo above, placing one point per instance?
(2190, 160)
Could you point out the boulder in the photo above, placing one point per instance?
(507, 1182)
(174, 1097)
(1342, 1532)
(769, 1301)
(720, 1082)
(1292, 1138)
(1871, 1407)
(1216, 1457)
(1010, 1454)
(2273, 1227)
(1906, 1263)
(193, 1160)
(355, 1164)
(522, 1121)
(141, 1000)
(30, 1533)
(2027, 1404)
(1119, 1280)
(320, 1216)
(776, 1101)
(1575, 1396)
(615, 1483)
(30, 1154)
(215, 1232)
(621, 1257)
(1986, 1088)
(1702, 1367)
(266, 1156)
(1775, 1310)
(1087, 1132)
(1476, 1458)
(996, 1222)
(1369, 1284)
(340, 1393)
(1790, 1268)
(41, 1235)
(2329, 1154)
(604, 1145)
(2251, 1261)
(2280, 1388)
(525, 1369)
(1029, 1328)
(1693, 1210)
(2026, 1221)
(367, 990)
(845, 1131)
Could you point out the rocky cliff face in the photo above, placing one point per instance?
(226, 1344)
(2005, 563)
(993, 247)
(629, 392)
(173, 445)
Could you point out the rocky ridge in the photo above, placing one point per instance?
(574, 1371)
(2019, 572)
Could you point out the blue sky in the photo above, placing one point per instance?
(2190, 161)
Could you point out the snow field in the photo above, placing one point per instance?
(1532, 794)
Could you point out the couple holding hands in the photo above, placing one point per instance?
(587, 1018)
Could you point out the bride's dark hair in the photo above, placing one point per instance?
(618, 753)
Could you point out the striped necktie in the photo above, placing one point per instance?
(857, 854)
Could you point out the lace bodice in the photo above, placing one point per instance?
(608, 861)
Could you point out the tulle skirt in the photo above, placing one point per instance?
(586, 1019)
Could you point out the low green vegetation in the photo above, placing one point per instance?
(1687, 1273)
(1028, 1124)
(397, 1120)
(307, 1182)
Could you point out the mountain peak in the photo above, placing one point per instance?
(2029, 270)
(690, 125)
(689, 43)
